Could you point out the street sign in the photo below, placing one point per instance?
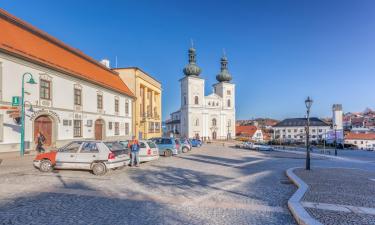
(16, 100)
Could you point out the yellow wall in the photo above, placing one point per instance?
(138, 80)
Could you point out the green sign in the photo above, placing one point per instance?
(16, 100)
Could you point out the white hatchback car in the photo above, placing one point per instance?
(148, 151)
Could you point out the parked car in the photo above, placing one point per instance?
(184, 145)
(167, 146)
(261, 147)
(148, 151)
(97, 156)
(196, 142)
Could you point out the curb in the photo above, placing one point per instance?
(299, 213)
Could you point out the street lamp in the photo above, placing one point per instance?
(335, 127)
(308, 103)
(30, 81)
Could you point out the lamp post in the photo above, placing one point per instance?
(308, 103)
(335, 127)
(30, 81)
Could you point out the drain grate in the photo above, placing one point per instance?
(286, 182)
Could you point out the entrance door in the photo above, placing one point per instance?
(99, 125)
(43, 124)
(214, 135)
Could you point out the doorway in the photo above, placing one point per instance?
(44, 125)
(214, 135)
(99, 129)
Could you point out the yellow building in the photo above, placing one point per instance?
(147, 107)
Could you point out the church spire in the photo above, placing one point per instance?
(192, 69)
(224, 75)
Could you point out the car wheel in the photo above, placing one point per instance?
(99, 169)
(185, 150)
(168, 153)
(45, 166)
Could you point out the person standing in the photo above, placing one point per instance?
(134, 149)
(40, 141)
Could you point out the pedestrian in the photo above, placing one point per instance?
(134, 149)
(40, 141)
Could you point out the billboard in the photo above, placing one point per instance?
(330, 136)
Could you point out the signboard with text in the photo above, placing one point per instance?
(16, 100)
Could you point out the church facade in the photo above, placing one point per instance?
(208, 117)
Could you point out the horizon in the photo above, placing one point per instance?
(268, 47)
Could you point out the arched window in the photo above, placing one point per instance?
(196, 100)
(229, 123)
(228, 103)
(197, 122)
(184, 100)
(214, 122)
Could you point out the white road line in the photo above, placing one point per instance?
(339, 208)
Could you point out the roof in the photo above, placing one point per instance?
(25, 41)
(360, 136)
(301, 122)
(136, 68)
(246, 130)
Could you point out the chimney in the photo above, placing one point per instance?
(105, 62)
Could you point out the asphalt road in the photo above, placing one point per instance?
(209, 185)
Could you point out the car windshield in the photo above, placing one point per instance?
(151, 144)
(142, 145)
(114, 146)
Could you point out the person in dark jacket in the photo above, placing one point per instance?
(40, 141)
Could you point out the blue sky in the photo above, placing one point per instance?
(279, 51)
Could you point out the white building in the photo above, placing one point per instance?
(75, 96)
(210, 116)
(293, 130)
(364, 141)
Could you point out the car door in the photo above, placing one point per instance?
(142, 150)
(154, 148)
(88, 153)
(66, 156)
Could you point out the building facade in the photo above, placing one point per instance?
(249, 132)
(365, 141)
(147, 108)
(74, 98)
(173, 125)
(210, 116)
(293, 130)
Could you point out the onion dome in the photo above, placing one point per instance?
(192, 69)
(224, 75)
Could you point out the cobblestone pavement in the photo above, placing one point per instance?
(339, 187)
(209, 185)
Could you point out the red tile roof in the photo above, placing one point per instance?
(25, 41)
(247, 131)
(360, 136)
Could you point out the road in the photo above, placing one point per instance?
(209, 185)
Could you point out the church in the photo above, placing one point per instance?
(208, 117)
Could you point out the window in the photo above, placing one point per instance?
(213, 122)
(229, 123)
(99, 101)
(126, 128)
(295, 130)
(151, 127)
(45, 89)
(157, 126)
(209, 103)
(71, 148)
(89, 147)
(184, 100)
(141, 111)
(127, 108)
(116, 105)
(77, 96)
(228, 92)
(197, 122)
(110, 125)
(117, 128)
(289, 136)
(289, 130)
(313, 130)
(217, 104)
(228, 103)
(320, 130)
(196, 100)
(77, 128)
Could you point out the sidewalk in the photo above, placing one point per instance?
(339, 196)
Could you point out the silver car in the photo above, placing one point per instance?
(97, 156)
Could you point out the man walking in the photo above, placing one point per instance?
(134, 149)
(40, 141)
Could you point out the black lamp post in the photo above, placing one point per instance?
(308, 103)
(335, 127)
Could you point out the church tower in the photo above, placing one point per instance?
(226, 90)
(192, 98)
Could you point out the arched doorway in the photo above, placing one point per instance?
(99, 129)
(44, 124)
(214, 135)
